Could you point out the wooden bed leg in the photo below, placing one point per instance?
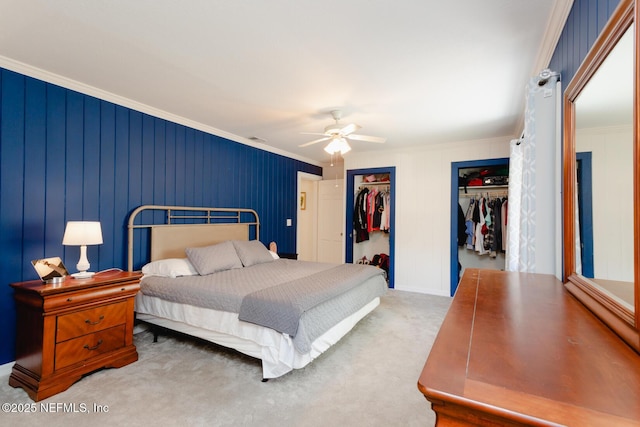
(155, 334)
(264, 380)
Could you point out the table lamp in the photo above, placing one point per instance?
(82, 233)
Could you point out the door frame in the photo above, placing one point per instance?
(455, 172)
(304, 176)
(350, 200)
(585, 211)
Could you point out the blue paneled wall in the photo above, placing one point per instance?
(68, 156)
(586, 20)
(584, 24)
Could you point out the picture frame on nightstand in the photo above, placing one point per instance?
(50, 270)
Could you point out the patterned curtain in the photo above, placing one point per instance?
(521, 217)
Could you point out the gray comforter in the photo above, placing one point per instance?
(302, 299)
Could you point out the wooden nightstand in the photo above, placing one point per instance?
(67, 330)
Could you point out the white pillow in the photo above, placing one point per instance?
(170, 267)
(274, 255)
(210, 259)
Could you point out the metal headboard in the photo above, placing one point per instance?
(226, 223)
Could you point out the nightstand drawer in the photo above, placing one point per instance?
(88, 346)
(83, 296)
(88, 321)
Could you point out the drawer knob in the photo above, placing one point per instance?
(89, 322)
(95, 347)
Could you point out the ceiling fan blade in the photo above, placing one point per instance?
(313, 133)
(348, 129)
(375, 139)
(315, 141)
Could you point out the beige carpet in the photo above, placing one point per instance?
(368, 379)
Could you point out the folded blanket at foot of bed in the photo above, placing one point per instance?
(280, 307)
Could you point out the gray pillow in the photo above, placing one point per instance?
(209, 259)
(252, 252)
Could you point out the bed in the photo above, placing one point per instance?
(209, 276)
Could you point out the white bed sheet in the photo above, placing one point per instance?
(275, 349)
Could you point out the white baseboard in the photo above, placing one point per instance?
(6, 369)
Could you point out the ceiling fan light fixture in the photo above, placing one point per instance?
(337, 145)
(338, 134)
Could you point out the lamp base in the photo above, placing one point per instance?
(83, 274)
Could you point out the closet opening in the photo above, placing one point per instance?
(370, 218)
(479, 191)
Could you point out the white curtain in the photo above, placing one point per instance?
(521, 217)
(534, 232)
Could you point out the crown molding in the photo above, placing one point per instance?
(67, 83)
(552, 33)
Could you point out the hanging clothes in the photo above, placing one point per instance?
(481, 227)
(376, 207)
(505, 214)
(469, 224)
(496, 210)
(387, 211)
(484, 223)
(462, 228)
(360, 223)
(384, 217)
(371, 203)
(372, 212)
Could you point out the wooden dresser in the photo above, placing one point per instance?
(67, 330)
(518, 349)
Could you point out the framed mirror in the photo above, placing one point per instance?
(601, 188)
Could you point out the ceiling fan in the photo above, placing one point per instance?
(339, 134)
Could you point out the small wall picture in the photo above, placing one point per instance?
(303, 200)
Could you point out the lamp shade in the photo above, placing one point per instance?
(79, 233)
(337, 145)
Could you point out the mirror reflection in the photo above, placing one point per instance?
(604, 154)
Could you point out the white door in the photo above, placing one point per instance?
(307, 224)
(331, 221)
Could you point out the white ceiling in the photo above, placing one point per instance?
(414, 71)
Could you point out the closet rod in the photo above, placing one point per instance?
(487, 194)
(388, 188)
(483, 189)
